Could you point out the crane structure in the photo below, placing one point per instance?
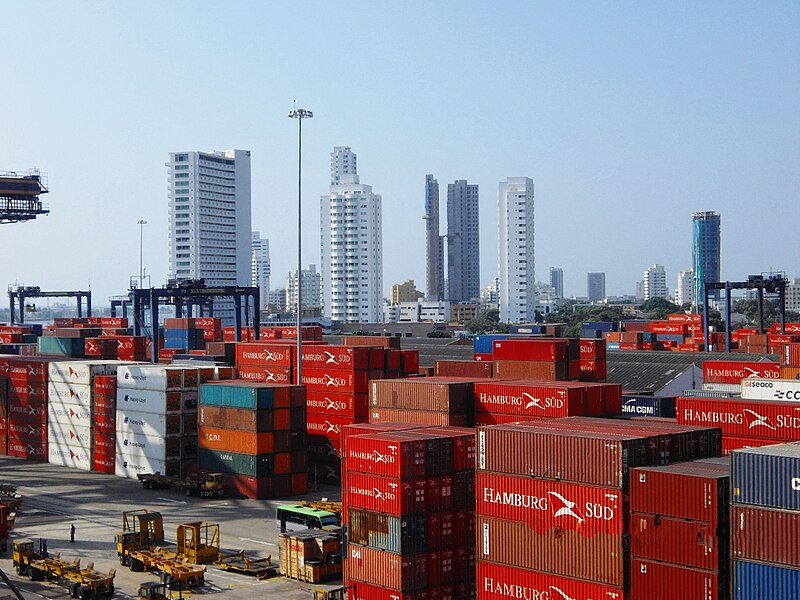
(19, 196)
(21, 293)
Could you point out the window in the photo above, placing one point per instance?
(181, 157)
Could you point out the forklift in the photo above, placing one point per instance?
(152, 590)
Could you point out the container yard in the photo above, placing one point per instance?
(514, 469)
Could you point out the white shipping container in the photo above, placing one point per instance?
(771, 389)
(69, 457)
(131, 466)
(69, 414)
(76, 394)
(155, 377)
(142, 423)
(160, 448)
(77, 437)
(79, 371)
(731, 388)
(150, 401)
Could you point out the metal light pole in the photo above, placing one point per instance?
(141, 223)
(299, 114)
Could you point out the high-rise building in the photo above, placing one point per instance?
(352, 247)
(557, 281)
(684, 293)
(434, 266)
(261, 267)
(277, 300)
(405, 292)
(706, 252)
(311, 289)
(654, 283)
(516, 250)
(596, 287)
(490, 295)
(793, 294)
(209, 220)
(463, 242)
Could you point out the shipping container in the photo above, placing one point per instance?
(525, 399)
(760, 581)
(340, 357)
(529, 369)
(533, 349)
(766, 535)
(130, 466)
(264, 374)
(242, 419)
(779, 420)
(648, 406)
(462, 368)
(771, 389)
(138, 446)
(250, 465)
(264, 354)
(677, 541)
(419, 417)
(262, 488)
(69, 456)
(421, 394)
(730, 371)
(401, 535)
(150, 401)
(767, 476)
(353, 382)
(69, 415)
(501, 582)
(244, 442)
(80, 372)
(368, 428)
(731, 443)
(156, 377)
(234, 394)
(401, 455)
(651, 580)
(148, 424)
(401, 572)
(386, 494)
(72, 436)
(339, 404)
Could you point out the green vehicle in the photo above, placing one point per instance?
(295, 517)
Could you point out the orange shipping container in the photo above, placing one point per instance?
(245, 442)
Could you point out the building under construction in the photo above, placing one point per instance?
(19, 196)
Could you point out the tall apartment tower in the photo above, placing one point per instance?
(557, 281)
(684, 293)
(596, 287)
(434, 267)
(209, 220)
(705, 252)
(352, 247)
(463, 242)
(516, 250)
(654, 283)
(311, 288)
(261, 267)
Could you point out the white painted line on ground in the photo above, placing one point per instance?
(258, 542)
(172, 500)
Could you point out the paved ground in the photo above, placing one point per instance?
(57, 497)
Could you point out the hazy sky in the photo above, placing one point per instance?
(629, 116)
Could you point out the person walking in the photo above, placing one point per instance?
(72, 533)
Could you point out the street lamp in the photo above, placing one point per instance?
(141, 223)
(299, 114)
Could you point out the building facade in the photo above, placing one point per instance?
(261, 267)
(684, 293)
(209, 221)
(352, 246)
(311, 290)
(793, 295)
(434, 264)
(596, 287)
(557, 281)
(706, 252)
(463, 242)
(654, 283)
(517, 295)
(405, 292)
(277, 300)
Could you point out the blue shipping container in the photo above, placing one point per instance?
(670, 337)
(760, 581)
(647, 406)
(237, 396)
(600, 325)
(484, 343)
(768, 476)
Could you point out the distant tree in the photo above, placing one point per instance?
(486, 321)
(439, 333)
(659, 308)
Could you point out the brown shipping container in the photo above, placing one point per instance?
(688, 543)
(244, 442)
(401, 572)
(600, 558)
(765, 534)
(419, 417)
(651, 580)
(240, 419)
(529, 369)
(421, 394)
(371, 340)
(462, 368)
(259, 488)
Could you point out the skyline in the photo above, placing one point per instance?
(692, 108)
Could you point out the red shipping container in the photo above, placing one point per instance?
(742, 418)
(729, 371)
(478, 357)
(688, 543)
(612, 398)
(265, 355)
(102, 347)
(103, 442)
(400, 455)
(368, 591)
(766, 535)
(103, 463)
(329, 426)
(10, 338)
(33, 411)
(27, 392)
(401, 572)
(410, 361)
(353, 382)
(367, 428)
(105, 384)
(132, 344)
(685, 318)
(525, 399)
(652, 580)
(670, 327)
(32, 448)
(791, 356)
(592, 370)
(485, 418)
(329, 403)
(501, 582)
(592, 349)
(731, 443)
(465, 446)
(462, 368)
(544, 349)
(28, 370)
(281, 375)
(386, 494)
(336, 357)
(419, 417)
(530, 369)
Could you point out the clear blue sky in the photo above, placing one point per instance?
(629, 116)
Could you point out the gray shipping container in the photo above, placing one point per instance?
(768, 476)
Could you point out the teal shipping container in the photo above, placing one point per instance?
(252, 396)
(62, 346)
(222, 461)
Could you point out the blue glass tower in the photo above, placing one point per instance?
(706, 252)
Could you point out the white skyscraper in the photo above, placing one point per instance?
(654, 283)
(261, 267)
(352, 248)
(684, 294)
(209, 220)
(516, 250)
(312, 289)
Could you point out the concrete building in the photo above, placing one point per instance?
(516, 250)
(557, 281)
(596, 287)
(417, 312)
(654, 283)
(261, 267)
(311, 290)
(405, 292)
(490, 295)
(352, 247)
(210, 235)
(793, 295)
(463, 242)
(684, 293)
(277, 300)
(434, 264)
(463, 311)
(706, 252)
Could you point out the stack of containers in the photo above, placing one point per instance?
(544, 358)
(680, 530)
(69, 411)
(268, 363)
(155, 405)
(765, 522)
(3, 412)
(425, 401)
(790, 362)
(183, 335)
(104, 423)
(410, 504)
(26, 426)
(727, 375)
(254, 433)
(211, 326)
(552, 510)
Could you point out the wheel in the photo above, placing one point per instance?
(18, 569)
(136, 565)
(85, 593)
(122, 559)
(73, 589)
(188, 491)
